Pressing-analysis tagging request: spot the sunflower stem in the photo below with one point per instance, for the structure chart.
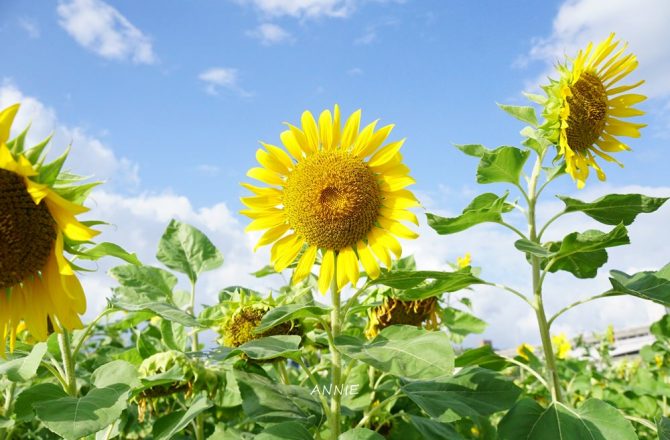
(68, 362)
(336, 358)
(199, 419)
(538, 304)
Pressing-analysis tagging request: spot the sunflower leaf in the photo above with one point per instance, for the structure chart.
(484, 208)
(504, 164)
(474, 150)
(281, 314)
(523, 113)
(613, 209)
(650, 285)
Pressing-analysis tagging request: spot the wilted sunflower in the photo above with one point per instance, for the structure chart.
(394, 311)
(38, 287)
(240, 327)
(584, 107)
(341, 192)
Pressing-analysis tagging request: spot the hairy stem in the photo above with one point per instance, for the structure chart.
(336, 396)
(68, 363)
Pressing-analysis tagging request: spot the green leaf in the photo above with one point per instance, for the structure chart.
(23, 408)
(129, 300)
(474, 150)
(462, 323)
(109, 250)
(403, 351)
(289, 312)
(17, 144)
(115, 372)
(594, 420)
(24, 368)
(484, 208)
(360, 434)
(613, 209)
(285, 431)
(521, 112)
(582, 254)
(483, 356)
(35, 152)
(539, 99)
(174, 335)
(450, 281)
(504, 164)
(167, 426)
(48, 173)
(151, 282)
(270, 347)
(73, 418)
(470, 393)
(532, 248)
(187, 250)
(650, 285)
(663, 427)
(267, 402)
(432, 429)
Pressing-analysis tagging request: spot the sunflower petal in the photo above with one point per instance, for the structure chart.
(368, 260)
(386, 153)
(327, 270)
(351, 130)
(304, 267)
(6, 119)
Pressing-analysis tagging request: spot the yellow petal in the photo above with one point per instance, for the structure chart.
(262, 191)
(368, 260)
(289, 255)
(280, 155)
(364, 138)
(622, 89)
(22, 167)
(6, 119)
(281, 246)
(375, 141)
(351, 130)
(265, 223)
(326, 129)
(327, 270)
(291, 143)
(392, 183)
(402, 199)
(624, 112)
(350, 264)
(341, 272)
(626, 100)
(256, 213)
(304, 267)
(311, 130)
(271, 235)
(623, 129)
(64, 267)
(261, 202)
(337, 129)
(271, 163)
(399, 214)
(265, 176)
(386, 240)
(385, 154)
(63, 212)
(37, 191)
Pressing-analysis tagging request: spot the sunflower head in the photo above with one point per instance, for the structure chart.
(39, 291)
(394, 311)
(239, 326)
(561, 345)
(585, 105)
(525, 350)
(335, 190)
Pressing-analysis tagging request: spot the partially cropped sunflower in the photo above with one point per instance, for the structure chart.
(338, 190)
(394, 311)
(585, 106)
(39, 290)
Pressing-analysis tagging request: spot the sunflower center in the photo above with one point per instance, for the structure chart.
(588, 111)
(27, 231)
(332, 199)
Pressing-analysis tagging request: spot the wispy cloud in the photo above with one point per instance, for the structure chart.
(217, 78)
(303, 8)
(30, 26)
(269, 34)
(371, 33)
(103, 30)
(355, 71)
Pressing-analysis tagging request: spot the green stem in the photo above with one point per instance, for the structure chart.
(513, 229)
(515, 292)
(68, 363)
(574, 304)
(550, 221)
(315, 382)
(642, 422)
(377, 408)
(199, 419)
(540, 315)
(336, 380)
(281, 367)
(88, 330)
(535, 374)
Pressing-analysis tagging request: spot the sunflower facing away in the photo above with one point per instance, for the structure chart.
(584, 107)
(339, 191)
(38, 287)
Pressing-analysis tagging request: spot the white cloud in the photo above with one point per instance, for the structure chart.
(642, 23)
(371, 33)
(102, 29)
(269, 34)
(30, 26)
(303, 8)
(216, 78)
(355, 71)
(86, 149)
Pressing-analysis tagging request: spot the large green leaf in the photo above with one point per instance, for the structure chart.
(432, 429)
(521, 112)
(281, 314)
(167, 426)
(403, 351)
(131, 301)
(594, 420)
(613, 209)
(471, 392)
(484, 208)
(268, 402)
(654, 286)
(449, 281)
(663, 427)
(285, 431)
(270, 347)
(187, 250)
(483, 356)
(583, 253)
(23, 408)
(475, 150)
(150, 282)
(360, 434)
(109, 250)
(504, 164)
(24, 368)
(462, 323)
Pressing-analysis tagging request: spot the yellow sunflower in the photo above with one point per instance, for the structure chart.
(584, 107)
(38, 287)
(334, 189)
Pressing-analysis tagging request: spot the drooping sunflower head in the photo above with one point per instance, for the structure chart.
(337, 190)
(39, 291)
(585, 106)
(394, 311)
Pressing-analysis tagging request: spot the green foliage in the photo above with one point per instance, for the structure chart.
(650, 285)
(523, 113)
(484, 208)
(614, 209)
(504, 164)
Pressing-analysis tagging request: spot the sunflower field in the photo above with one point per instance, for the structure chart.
(358, 343)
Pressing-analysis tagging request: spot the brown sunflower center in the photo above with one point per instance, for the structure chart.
(332, 199)
(588, 111)
(27, 231)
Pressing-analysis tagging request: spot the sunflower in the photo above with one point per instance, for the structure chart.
(584, 107)
(39, 290)
(394, 311)
(336, 190)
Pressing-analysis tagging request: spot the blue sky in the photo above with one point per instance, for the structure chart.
(167, 100)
